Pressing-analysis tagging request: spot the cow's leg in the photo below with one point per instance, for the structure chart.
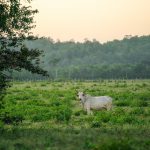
(89, 112)
(88, 109)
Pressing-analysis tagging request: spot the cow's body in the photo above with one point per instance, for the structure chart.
(95, 103)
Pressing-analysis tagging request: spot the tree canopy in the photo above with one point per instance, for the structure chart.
(118, 59)
(16, 22)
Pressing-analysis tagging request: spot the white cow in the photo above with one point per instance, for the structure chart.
(97, 103)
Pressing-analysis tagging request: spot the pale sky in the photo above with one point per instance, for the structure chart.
(103, 20)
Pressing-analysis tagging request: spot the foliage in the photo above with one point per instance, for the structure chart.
(9, 118)
(63, 114)
(112, 144)
(16, 21)
(118, 59)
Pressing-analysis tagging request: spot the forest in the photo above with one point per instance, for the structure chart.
(128, 58)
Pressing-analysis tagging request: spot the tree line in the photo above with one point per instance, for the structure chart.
(128, 58)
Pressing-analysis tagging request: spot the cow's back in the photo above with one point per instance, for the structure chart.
(99, 101)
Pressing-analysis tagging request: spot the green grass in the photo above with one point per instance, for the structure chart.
(47, 115)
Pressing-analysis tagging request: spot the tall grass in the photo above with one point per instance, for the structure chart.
(44, 108)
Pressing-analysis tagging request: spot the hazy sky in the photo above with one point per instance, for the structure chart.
(103, 20)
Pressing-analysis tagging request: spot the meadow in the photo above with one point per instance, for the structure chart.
(47, 115)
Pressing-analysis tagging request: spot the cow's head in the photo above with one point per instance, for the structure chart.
(80, 95)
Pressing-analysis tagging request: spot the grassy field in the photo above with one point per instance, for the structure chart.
(48, 116)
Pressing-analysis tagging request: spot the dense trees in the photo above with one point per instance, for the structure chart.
(127, 58)
(16, 21)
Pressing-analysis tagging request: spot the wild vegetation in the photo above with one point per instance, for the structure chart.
(128, 58)
(48, 115)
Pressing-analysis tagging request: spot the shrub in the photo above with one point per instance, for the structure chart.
(43, 84)
(118, 111)
(122, 103)
(144, 96)
(102, 117)
(27, 86)
(77, 113)
(42, 116)
(105, 117)
(63, 113)
(136, 111)
(126, 119)
(144, 85)
(8, 118)
(21, 146)
(115, 145)
(96, 124)
(117, 116)
(139, 103)
(147, 112)
(36, 103)
(89, 145)
(121, 116)
(22, 97)
(56, 103)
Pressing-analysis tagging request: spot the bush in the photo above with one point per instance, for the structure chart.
(22, 96)
(144, 96)
(77, 113)
(139, 103)
(55, 103)
(42, 114)
(122, 103)
(118, 116)
(28, 86)
(42, 117)
(115, 145)
(136, 111)
(63, 113)
(118, 111)
(96, 124)
(8, 118)
(43, 84)
(126, 119)
(121, 116)
(102, 117)
(105, 117)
